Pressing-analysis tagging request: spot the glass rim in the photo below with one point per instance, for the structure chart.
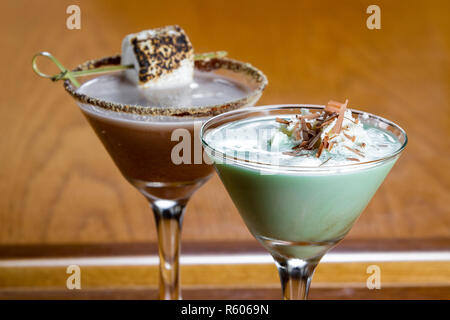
(297, 168)
(208, 64)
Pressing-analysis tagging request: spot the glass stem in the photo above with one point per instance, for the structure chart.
(295, 276)
(169, 218)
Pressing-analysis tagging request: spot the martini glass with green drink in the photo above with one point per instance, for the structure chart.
(300, 176)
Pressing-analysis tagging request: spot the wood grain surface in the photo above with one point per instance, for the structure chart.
(58, 186)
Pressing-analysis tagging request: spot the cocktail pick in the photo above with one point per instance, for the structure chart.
(66, 74)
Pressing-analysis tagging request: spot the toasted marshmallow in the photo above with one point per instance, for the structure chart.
(162, 57)
(168, 97)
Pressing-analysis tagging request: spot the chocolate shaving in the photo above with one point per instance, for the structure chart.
(351, 138)
(338, 126)
(350, 120)
(329, 109)
(283, 121)
(334, 104)
(327, 121)
(332, 137)
(308, 134)
(313, 141)
(304, 129)
(325, 141)
(304, 144)
(300, 146)
(356, 117)
(310, 116)
(297, 134)
(324, 144)
(331, 145)
(359, 153)
(333, 107)
(324, 162)
(319, 152)
(294, 153)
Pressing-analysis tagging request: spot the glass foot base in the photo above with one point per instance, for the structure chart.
(297, 250)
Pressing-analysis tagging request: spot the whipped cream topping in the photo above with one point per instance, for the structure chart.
(356, 142)
(273, 140)
(353, 136)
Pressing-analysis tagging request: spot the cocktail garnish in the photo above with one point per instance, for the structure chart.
(283, 121)
(313, 141)
(309, 116)
(333, 107)
(324, 130)
(333, 136)
(338, 126)
(331, 145)
(295, 154)
(327, 121)
(66, 74)
(325, 162)
(354, 121)
(297, 131)
(300, 146)
(304, 129)
(323, 144)
(162, 57)
(359, 153)
(352, 138)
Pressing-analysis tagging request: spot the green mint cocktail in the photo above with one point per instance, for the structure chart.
(300, 176)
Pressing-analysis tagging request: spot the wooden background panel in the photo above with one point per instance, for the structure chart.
(58, 185)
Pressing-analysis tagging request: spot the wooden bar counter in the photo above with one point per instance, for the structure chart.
(64, 202)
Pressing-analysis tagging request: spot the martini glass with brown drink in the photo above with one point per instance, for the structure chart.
(152, 131)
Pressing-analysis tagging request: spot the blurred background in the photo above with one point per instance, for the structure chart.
(62, 197)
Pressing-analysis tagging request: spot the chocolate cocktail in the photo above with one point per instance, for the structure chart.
(158, 149)
(148, 116)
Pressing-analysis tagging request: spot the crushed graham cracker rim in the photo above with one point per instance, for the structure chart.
(207, 65)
